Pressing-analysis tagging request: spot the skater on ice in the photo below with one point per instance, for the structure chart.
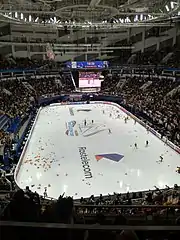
(178, 170)
(147, 128)
(109, 130)
(161, 158)
(135, 145)
(45, 192)
(147, 143)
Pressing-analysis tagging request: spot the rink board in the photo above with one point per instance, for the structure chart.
(64, 155)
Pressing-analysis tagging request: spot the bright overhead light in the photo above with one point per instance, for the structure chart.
(127, 20)
(121, 20)
(16, 14)
(150, 16)
(173, 4)
(30, 18)
(167, 8)
(22, 16)
(141, 17)
(136, 18)
(36, 19)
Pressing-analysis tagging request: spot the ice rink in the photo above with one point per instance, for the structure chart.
(86, 149)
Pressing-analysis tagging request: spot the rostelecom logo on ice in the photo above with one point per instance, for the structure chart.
(70, 129)
(115, 157)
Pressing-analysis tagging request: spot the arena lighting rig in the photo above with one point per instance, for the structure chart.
(89, 14)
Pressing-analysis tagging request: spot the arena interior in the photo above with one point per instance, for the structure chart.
(90, 119)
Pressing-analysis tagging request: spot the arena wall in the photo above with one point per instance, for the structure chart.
(25, 148)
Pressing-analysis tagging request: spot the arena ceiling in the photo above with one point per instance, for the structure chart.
(80, 29)
(89, 13)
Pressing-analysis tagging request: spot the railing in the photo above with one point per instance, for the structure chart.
(20, 73)
(89, 226)
(138, 210)
(125, 206)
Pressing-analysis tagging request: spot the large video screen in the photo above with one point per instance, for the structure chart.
(89, 79)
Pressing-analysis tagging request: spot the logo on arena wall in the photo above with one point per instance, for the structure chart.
(110, 156)
(70, 131)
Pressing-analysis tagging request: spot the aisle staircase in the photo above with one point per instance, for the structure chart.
(14, 126)
(8, 123)
(4, 122)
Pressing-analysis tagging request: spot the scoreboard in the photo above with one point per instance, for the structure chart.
(88, 65)
(87, 75)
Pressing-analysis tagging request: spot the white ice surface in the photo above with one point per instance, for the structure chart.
(62, 170)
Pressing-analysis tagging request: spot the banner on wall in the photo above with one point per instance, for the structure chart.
(49, 52)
